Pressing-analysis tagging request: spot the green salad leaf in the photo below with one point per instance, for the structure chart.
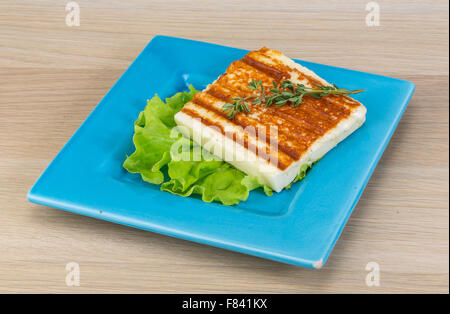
(206, 175)
(153, 136)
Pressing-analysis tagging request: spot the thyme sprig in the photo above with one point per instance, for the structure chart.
(281, 94)
(240, 103)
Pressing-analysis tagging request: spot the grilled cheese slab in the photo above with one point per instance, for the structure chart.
(273, 142)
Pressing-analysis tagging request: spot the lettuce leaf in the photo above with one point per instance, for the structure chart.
(252, 182)
(153, 136)
(302, 174)
(207, 176)
(214, 180)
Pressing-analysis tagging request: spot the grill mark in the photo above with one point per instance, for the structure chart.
(271, 71)
(324, 117)
(295, 120)
(289, 151)
(342, 111)
(239, 83)
(310, 119)
(244, 73)
(224, 85)
(202, 103)
(302, 76)
(194, 114)
(207, 106)
(213, 91)
(311, 128)
(337, 100)
(301, 141)
(262, 153)
(327, 120)
(245, 122)
(354, 102)
(311, 80)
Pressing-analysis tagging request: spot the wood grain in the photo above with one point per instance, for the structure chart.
(52, 76)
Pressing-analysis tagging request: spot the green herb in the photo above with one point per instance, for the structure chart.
(284, 93)
(240, 103)
(288, 92)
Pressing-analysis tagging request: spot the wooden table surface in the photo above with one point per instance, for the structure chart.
(53, 75)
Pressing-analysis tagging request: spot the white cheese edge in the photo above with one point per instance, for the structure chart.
(269, 174)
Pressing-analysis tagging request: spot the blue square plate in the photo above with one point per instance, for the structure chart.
(299, 226)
